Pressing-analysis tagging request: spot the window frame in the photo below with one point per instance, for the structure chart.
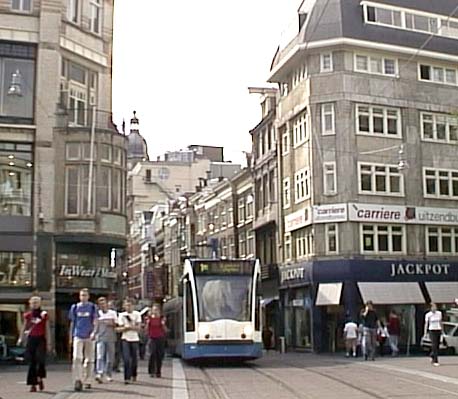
(95, 6)
(286, 182)
(434, 116)
(324, 113)
(300, 124)
(437, 180)
(322, 62)
(288, 249)
(327, 238)
(440, 234)
(386, 118)
(375, 229)
(326, 190)
(73, 12)
(369, 71)
(302, 176)
(285, 146)
(21, 7)
(432, 68)
(374, 173)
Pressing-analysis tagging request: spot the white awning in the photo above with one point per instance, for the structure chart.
(391, 293)
(442, 292)
(329, 294)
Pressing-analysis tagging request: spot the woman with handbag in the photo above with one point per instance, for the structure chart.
(156, 333)
(34, 336)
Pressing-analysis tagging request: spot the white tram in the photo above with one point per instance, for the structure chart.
(217, 314)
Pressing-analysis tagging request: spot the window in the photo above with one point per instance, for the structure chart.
(249, 206)
(326, 62)
(382, 238)
(375, 65)
(298, 76)
(72, 187)
(105, 153)
(286, 192)
(265, 190)
(329, 177)
(304, 242)
(242, 244)
(301, 185)
(439, 127)
(15, 270)
(250, 245)
(380, 179)
(73, 10)
(332, 246)
(287, 249)
(95, 15)
(327, 119)
(410, 20)
(272, 191)
(381, 121)
(73, 151)
(16, 171)
(17, 82)
(285, 143)
(300, 129)
(437, 74)
(440, 183)
(104, 188)
(241, 214)
(21, 5)
(230, 217)
(116, 190)
(441, 240)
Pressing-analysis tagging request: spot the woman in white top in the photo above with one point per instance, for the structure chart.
(433, 327)
(129, 325)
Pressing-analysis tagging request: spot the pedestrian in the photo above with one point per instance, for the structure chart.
(351, 336)
(156, 333)
(394, 331)
(35, 331)
(129, 323)
(370, 323)
(267, 337)
(83, 318)
(105, 340)
(382, 336)
(433, 327)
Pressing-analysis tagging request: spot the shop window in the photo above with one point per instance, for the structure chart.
(15, 269)
(16, 168)
(17, 83)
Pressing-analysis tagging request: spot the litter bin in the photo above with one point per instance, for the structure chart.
(282, 345)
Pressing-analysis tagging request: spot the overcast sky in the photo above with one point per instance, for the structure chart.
(185, 67)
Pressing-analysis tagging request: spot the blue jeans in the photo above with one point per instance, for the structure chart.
(105, 358)
(130, 359)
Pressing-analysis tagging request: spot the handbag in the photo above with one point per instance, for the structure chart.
(23, 339)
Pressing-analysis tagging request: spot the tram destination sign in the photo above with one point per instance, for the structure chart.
(223, 267)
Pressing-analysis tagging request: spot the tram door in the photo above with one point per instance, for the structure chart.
(189, 314)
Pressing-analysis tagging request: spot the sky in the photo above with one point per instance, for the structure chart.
(185, 67)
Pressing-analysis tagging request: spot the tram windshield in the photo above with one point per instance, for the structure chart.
(224, 297)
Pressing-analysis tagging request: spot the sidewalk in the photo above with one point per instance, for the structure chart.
(58, 385)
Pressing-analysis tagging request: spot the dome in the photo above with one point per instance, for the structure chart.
(137, 148)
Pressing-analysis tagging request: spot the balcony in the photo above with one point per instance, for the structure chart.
(81, 119)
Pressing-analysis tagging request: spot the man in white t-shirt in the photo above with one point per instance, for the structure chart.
(351, 335)
(433, 327)
(129, 323)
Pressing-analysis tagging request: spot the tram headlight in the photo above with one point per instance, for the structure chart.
(248, 330)
(203, 330)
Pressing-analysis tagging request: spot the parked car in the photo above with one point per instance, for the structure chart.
(449, 339)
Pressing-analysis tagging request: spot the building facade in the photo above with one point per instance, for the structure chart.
(58, 231)
(366, 126)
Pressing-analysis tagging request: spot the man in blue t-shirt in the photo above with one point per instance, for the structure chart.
(83, 318)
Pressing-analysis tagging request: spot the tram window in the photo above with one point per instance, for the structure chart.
(257, 313)
(190, 325)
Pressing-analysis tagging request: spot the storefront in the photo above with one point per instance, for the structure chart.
(80, 266)
(323, 294)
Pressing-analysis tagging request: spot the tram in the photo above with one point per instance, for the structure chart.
(217, 313)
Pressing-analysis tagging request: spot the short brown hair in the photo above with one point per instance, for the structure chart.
(101, 299)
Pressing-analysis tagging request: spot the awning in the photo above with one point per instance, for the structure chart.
(266, 301)
(329, 294)
(391, 293)
(442, 292)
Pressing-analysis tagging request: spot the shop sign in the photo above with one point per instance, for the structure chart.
(330, 213)
(293, 273)
(298, 219)
(297, 302)
(418, 269)
(83, 271)
(402, 214)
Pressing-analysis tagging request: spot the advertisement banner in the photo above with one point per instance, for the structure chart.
(330, 213)
(299, 219)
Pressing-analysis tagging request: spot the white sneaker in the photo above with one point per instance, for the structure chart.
(437, 364)
(109, 379)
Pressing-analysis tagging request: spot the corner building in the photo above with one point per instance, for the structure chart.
(367, 139)
(62, 161)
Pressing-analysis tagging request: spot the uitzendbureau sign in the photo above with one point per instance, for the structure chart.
(83, 271)
(402, 214)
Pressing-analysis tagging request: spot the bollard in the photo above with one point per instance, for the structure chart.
(282, 345)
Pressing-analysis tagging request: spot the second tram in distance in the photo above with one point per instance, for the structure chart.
(217, 314)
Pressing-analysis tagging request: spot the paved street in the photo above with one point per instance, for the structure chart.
(276, 376)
